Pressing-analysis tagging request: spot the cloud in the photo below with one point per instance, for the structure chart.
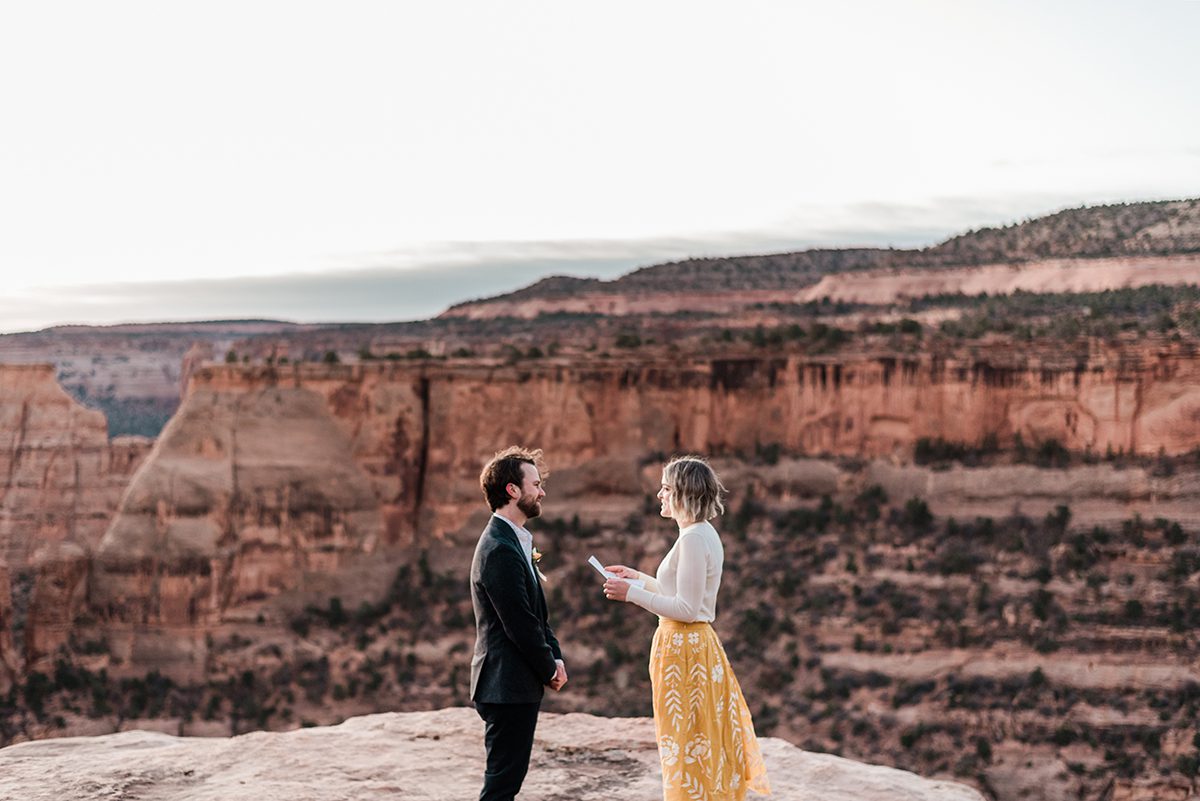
(377, 294)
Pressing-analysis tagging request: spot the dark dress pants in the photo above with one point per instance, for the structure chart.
(508, 737)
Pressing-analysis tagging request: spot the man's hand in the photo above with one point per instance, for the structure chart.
(616, 589)
(622, 571)
(560, 676)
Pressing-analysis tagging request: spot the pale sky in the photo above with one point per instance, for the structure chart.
(380, 161)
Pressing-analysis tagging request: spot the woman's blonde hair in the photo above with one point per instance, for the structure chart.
(695, 489)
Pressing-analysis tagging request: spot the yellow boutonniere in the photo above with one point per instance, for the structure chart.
(537, 557)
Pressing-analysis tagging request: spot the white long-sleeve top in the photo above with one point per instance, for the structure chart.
(685, 587)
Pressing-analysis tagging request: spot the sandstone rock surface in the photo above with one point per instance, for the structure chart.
(243, 494)
(60, 477)
(61, 480)
(423, 756)
(8, 655)
(1048, 275)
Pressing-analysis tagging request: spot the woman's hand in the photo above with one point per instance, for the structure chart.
(622, 571)
(616, 589)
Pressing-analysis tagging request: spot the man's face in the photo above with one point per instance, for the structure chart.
(530, 500)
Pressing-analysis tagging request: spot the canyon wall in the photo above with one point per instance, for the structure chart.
(266, 473)
(410, 438)
(273, 482)
(62, 480)
(61, 476)
(270, 478)
(9, 662)
(131, 372)
(242, 494)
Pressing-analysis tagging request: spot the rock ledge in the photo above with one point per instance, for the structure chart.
(417, 756)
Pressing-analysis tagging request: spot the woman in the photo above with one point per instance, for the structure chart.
(705, 735)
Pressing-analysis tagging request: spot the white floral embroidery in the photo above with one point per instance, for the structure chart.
(677, 639)
(736, 780)
(668, 750)
(696, 750)
(693, 638)
(718, 672)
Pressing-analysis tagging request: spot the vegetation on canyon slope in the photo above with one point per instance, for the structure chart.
(813, 328)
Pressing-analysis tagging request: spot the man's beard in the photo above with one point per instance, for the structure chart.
(530, 506)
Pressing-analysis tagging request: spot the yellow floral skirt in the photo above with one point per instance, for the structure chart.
(705, 735)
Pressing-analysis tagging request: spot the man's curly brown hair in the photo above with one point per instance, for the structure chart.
(505, 468)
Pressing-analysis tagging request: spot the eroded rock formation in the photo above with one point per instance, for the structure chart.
(392, 452)
(9, 662)
(60, 477)
(61, 480)
(268, 475)
(59, 595)
(244, 494)
(405, 423)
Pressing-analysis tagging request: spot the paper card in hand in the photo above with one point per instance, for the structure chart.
(594, 562)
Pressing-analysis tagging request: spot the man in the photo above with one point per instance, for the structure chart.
(516, 653)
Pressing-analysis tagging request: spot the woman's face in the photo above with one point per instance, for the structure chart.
(664, 497)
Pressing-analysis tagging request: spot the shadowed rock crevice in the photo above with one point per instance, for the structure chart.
(422, 464)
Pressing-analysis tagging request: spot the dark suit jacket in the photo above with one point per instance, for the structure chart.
(515, 648)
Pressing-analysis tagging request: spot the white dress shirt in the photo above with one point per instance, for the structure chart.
(524, 537)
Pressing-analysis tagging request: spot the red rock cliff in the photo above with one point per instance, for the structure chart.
(60, 477)
(269, 477)
(8, 655)
(400, 445)
(61, 481)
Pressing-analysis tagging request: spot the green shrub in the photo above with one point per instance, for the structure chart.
(1052, 453)
(1133, 610)
(628, 339)
(916, 515)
